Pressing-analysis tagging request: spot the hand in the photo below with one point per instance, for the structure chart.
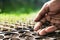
(42, 17)
(46, 30)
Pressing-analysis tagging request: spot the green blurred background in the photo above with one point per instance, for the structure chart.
(14, 10)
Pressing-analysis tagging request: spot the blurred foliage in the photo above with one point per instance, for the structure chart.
(23, 6)
(17, 10)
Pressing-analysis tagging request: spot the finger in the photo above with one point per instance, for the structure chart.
(50, 29)
(47, 30)
(39, 24)
(41, 32)
(41, 13)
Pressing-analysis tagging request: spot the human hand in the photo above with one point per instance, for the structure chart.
(53, 27)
